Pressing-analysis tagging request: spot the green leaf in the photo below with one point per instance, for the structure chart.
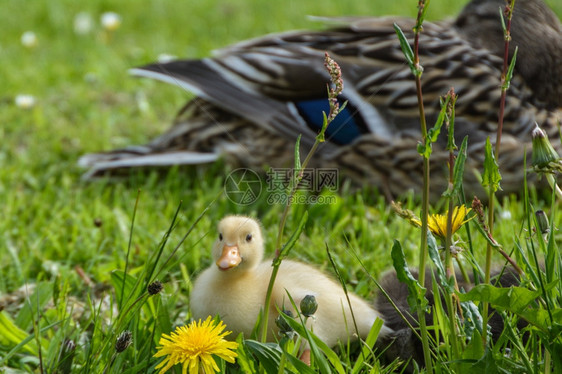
(245, 359)
(513, 299)
(458, 170)
(473, 352)
(36, 302)
(509, 74)
(298, 155)
(472, 322)
(299, 365)
(416, 295)
(11, 335)
(316, 346)
(451, 146)
(268, 354)
(407, 50)
(321, 135)
(367, 346)
(491, 176)
(433, 133)
(436, 259)
(504, 28)
(486, 364)
(541, 319)
(117, 278)
(293, 239)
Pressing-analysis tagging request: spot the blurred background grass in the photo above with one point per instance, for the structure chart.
(85, 102)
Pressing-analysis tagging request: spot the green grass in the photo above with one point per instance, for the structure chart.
(86, 102)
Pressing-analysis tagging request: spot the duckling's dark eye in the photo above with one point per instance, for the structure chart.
(249, 237)
(220, 236)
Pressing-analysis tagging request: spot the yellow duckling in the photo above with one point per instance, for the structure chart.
(236, 285)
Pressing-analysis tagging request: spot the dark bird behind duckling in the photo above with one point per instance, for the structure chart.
(403, 343)
(256, 97)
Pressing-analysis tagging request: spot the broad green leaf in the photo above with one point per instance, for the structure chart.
(475, 349)
(268, 354)
(513, 299)
(416, 294)
(11, 335)
(406, 49)
(541, 319)
(491, 176)
(486, 364)
(472, 321)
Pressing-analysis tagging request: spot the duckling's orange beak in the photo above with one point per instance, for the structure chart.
(230, 257)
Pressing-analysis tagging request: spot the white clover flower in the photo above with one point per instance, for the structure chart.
(110, 21)
(164, 57)
(83, 23)
(29, 39)
(25, 101)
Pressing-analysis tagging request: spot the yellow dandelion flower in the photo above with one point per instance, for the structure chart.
(438, 222)
(195, 345)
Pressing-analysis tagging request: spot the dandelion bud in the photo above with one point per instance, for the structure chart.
(123, 341)
(543, 153)
(155, 287)
(284, 327)
(308, 305)
(542, 222)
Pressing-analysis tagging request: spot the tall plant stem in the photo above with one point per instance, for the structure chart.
(276, 262)
(425, 194)
(450, 272)
(333, 92)
(491, 192)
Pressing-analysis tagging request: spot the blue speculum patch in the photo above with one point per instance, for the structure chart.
(344, 129)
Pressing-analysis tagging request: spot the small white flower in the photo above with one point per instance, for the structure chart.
(83, 23)
(29, 39)
(25, 101)
(164, 57)
(110, 21)
(506, 214)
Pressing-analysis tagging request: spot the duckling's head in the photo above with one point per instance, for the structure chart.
(239, 243)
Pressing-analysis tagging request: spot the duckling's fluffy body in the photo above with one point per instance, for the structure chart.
(237, 292)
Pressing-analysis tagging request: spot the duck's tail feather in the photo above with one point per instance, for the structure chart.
(100, 164)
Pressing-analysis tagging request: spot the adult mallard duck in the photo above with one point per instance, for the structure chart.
(254, 98)
(235, 285)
